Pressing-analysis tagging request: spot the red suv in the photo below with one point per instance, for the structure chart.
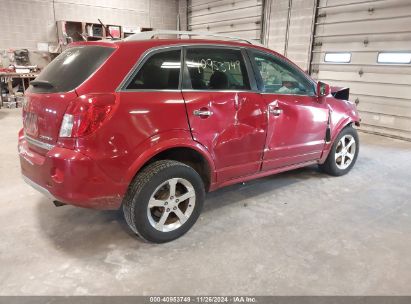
(152, 125)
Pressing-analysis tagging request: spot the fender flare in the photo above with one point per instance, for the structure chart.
(340, 126)
(163, 141)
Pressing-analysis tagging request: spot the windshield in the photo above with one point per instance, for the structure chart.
(70, 69)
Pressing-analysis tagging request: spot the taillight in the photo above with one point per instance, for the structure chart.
(86, 114)
(25, 107)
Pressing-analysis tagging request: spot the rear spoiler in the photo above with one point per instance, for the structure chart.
(340, 92)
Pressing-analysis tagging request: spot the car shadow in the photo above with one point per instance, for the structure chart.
(258, 187)
(82, 232)
(85, 232)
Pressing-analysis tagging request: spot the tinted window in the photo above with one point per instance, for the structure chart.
(161, 71)
(280, 78)
(216, 69)
(69, 69)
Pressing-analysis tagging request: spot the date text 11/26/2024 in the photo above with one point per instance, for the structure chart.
(204, 299)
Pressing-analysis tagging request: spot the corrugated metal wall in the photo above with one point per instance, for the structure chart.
(241, 18)
(365, 28)
(288, 24)
(288, 28)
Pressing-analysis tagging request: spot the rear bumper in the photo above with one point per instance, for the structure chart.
(70, 177)
(39, 188)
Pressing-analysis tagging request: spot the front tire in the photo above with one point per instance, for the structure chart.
(343, 153)
(164, 201)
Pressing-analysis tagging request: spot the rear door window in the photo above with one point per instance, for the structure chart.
(71, 68)
(161, 71)
(216, 69)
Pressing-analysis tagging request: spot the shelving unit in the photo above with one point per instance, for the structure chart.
(12, 97)
(71, 31)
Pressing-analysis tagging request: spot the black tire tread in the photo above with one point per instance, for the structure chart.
(138, 184)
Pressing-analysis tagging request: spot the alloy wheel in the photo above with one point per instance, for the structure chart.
(171, 204)
(345, 151)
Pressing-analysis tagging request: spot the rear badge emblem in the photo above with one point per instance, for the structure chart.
(46, 137)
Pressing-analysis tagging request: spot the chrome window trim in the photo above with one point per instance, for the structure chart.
(192, 90)
(151, 90)
(140, 61)
(38, 143)
(220, 91)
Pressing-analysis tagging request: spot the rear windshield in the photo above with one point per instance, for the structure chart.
(69, 69)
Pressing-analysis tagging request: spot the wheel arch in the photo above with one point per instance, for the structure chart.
(347, 122)
(185, 150)
(188, 156)
(335, 131)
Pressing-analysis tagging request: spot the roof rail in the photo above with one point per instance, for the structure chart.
(151, 34)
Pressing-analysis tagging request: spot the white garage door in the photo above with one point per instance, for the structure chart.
(240, 18)
(366, 46)
(289, 24)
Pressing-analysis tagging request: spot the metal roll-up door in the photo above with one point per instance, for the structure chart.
(289, 26)
(366, 29)
(300, 32)
(240, 18)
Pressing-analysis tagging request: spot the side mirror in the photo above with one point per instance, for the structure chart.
(323, 89)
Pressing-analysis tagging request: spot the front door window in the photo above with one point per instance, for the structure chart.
(277, 77)
(225, 115)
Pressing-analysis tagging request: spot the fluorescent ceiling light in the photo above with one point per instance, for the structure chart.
(192, 64)
(337, 57)
(394, 57)
(170, 65)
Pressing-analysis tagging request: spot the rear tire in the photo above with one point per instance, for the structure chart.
(164, 201)
(343, 153)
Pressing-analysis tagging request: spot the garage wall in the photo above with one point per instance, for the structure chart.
(23, 23)
(182, 14)
(233, 17)
(365, 28)
(288, 28)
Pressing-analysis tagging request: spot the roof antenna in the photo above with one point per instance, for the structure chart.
(105, 27)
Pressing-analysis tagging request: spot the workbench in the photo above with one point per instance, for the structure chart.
(9, 76)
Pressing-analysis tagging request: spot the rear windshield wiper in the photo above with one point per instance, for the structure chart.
(42, 83)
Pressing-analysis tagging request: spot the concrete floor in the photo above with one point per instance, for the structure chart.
(297, 233)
